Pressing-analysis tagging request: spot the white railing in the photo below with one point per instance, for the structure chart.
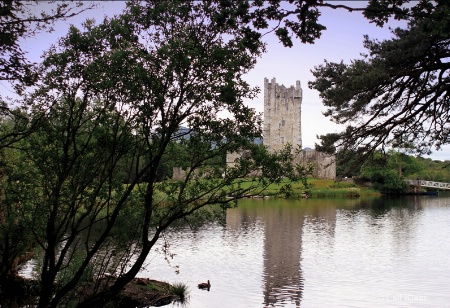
(438, 185)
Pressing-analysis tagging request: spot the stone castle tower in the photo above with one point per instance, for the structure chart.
(283, 124)
(282, 115)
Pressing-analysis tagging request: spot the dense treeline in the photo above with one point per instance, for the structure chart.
(387, 171)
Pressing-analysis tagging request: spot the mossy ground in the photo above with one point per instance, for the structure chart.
(140, 292)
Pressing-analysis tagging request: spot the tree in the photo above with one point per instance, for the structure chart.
(114, 97)
(348, 163)
(383, 176)
(433, 170)
(388, 171)
(405, 165)
(19, 20)
(396, 96)
(15, 236)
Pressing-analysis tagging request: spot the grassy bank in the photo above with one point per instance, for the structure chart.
(321, 188)
(317, 188)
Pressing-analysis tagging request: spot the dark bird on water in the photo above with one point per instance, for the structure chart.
(204, 285)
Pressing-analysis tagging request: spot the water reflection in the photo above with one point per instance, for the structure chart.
(283, 222)
(282, 276)
(334, 252)
(381, 252)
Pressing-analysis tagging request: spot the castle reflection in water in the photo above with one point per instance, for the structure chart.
(282, 272)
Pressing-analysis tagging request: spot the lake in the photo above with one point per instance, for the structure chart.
(315, 253)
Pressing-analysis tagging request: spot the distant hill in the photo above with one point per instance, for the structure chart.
(183, 133)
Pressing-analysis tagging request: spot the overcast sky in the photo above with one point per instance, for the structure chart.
(341, 41)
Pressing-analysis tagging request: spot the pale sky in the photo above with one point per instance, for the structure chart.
(341, 41)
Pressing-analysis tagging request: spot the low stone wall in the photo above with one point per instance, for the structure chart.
(178, 174)
(324, 164)
(231, 162)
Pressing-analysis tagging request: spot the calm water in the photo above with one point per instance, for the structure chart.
(316, 253)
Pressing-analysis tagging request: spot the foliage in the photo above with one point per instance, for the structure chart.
(388, 170)
(432, 170)
(396, 96)
(100, 130)
(181, 290)
(348, 163)
(109, 106)
(387, 173)
(301, 18)
(374, 170)
(19, 20)
(16, 244)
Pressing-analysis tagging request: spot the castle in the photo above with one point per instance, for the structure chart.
(282, 125)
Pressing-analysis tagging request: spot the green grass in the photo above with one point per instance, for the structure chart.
(317, 188)
(335, 193)
(323, 188)
(181, 290)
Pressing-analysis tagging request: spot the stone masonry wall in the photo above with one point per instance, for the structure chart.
(324, 165)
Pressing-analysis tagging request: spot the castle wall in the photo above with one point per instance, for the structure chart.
(324, 164)
(232, 158)
(179, 174)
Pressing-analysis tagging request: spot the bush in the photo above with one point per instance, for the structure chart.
(181, 290)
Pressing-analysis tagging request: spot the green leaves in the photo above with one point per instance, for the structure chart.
(388, 172)
(110, 109)
(398, 93)
(161, 86)
(19, 20)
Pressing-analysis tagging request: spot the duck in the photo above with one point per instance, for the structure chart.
(204, 285)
